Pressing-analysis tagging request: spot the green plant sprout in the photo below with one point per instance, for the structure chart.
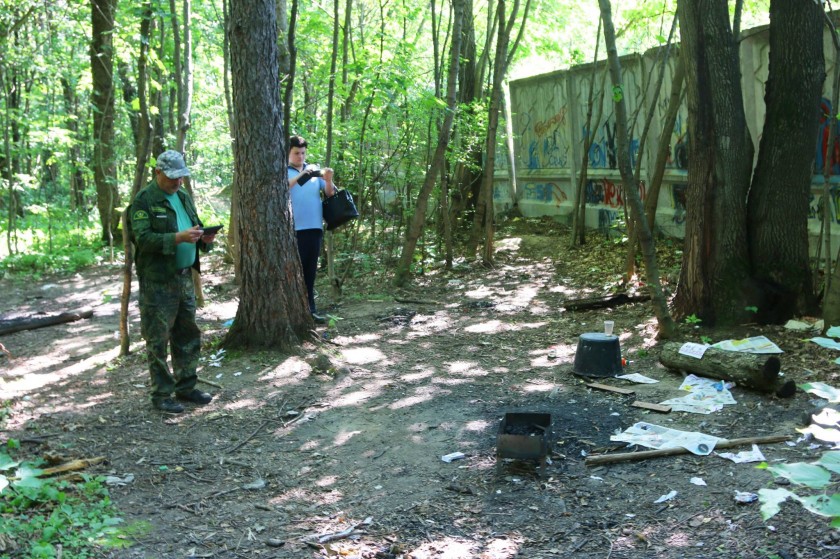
(693, 319)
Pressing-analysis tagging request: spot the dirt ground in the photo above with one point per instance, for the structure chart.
(342, 443)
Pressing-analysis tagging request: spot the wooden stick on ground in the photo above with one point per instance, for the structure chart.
(645, 454)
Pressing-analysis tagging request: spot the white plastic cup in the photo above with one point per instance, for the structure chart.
(608, 327)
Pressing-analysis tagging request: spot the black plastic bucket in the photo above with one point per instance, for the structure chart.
(598, 355)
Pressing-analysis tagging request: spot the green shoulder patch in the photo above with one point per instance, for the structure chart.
(140, 214)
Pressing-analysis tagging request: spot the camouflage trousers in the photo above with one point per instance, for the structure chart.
(167, 318)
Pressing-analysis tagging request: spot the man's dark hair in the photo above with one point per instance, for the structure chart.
(297, 142)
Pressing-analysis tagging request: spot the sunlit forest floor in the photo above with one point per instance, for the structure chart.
(336, 451)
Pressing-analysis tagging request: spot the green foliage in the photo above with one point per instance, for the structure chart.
(706, 340)
(814, 475)
(751, 309)
(41, 514)
(693, 319)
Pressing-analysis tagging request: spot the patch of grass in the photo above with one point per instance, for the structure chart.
(39, 515)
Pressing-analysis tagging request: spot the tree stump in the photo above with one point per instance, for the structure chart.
(752, 370)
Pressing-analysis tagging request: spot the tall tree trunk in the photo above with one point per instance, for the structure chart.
(483, 219)
(142, 152)
(184, 79)
(578, 235)
(630, 266)
(466, 179)
(335, 287)
(631, 186)
(267, 316)
(418, 219)
(288, 92)
(102, 98)
(779, 197)
(715, 259)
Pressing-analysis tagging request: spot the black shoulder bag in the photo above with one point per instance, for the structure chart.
(339, 209)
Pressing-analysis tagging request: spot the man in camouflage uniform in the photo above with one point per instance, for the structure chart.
(168, 235)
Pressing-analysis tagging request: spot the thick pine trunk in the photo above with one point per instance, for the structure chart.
(779, 197)
(273, 311)
(715, 262)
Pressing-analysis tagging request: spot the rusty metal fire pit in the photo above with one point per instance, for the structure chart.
(524, 436)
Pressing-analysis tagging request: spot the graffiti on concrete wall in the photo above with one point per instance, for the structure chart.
(602, 151)
(606, 218)
(678, 192)
(607, 193)
(546, 192)
(827, 124)
(548, 147)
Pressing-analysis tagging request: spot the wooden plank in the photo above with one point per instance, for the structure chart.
(608, 388)
(651, 406)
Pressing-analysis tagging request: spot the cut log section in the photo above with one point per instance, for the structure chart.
(33, 322)
(751, 370)
(604, 302)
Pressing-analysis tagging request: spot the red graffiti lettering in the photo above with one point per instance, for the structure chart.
(542, 127)
(612, 194)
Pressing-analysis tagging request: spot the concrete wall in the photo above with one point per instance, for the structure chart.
(548, 117)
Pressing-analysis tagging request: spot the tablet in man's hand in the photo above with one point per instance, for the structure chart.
(212, 230)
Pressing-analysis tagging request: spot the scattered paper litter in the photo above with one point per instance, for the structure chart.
(745, 497)
(705, 396)
(636, 377)
(798, 326)
(825, 434)
(119, 481)
(656, 436)
(453, 456)
(667, 497)
(693, 349)
(822, 390)
(744, 456)
(756, 344)
(828, 417)
(697, 481)
(827, 343)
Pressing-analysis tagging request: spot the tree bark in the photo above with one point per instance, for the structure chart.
(752, 370)
(781, 187)
(715, 258)
(102, 99)
(631, 187)
(273, 311)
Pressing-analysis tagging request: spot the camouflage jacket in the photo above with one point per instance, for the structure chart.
(153, 227)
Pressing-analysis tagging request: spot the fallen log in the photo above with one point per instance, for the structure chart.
(31, 323)
(645, 454)
(604, 302)
(758, 371)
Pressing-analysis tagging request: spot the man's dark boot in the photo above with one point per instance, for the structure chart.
(168, 405)
(195, 396)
